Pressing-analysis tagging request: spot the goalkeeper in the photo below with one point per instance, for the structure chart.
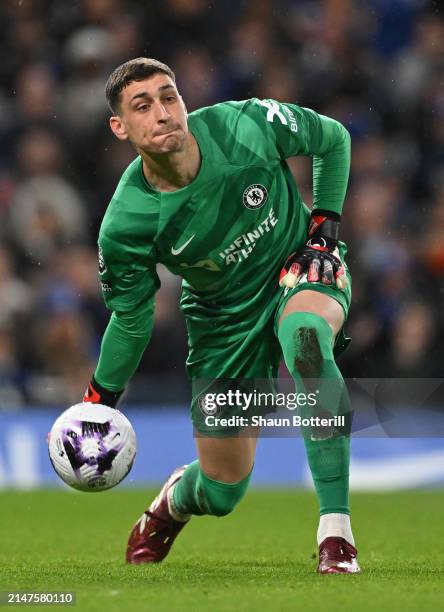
(211, 197)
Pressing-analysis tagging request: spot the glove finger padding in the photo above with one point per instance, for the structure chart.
(291, 276)
(339, 272)
(327, 272)
(320, 266)
(314, 267)
(341, 278)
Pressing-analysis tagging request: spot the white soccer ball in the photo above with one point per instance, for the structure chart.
(92, 447)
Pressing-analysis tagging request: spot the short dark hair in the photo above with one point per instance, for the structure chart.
(136, 69)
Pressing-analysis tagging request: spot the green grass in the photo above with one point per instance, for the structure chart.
(262, 557)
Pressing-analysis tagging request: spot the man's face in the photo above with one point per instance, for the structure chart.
(152, 116)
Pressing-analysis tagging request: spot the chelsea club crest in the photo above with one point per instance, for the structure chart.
(255, 196)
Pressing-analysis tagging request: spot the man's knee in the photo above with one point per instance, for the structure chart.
(306, 340)
(307, 352)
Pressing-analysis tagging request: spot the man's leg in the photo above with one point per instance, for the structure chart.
(212, 485)
(307, 329)
(216, 482)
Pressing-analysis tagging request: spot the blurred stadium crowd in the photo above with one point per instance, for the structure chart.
(375, 65)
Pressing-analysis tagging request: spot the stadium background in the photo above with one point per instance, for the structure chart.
(375, 65)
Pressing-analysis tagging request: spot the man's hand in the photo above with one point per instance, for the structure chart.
(319, 258)
(97, 394)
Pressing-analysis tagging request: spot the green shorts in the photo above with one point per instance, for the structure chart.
(244, 346)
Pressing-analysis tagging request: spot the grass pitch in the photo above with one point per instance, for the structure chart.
(261, 557)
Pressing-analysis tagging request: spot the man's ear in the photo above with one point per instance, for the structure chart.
(117, 127)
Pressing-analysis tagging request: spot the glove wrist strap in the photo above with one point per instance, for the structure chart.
(97, 394)
(324, 224)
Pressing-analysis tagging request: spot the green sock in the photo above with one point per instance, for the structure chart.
(306, 341)
(329, 465)
(196, 493)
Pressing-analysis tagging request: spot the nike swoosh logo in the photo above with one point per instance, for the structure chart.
(179, 250)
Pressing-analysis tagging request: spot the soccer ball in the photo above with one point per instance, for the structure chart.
(92, 447)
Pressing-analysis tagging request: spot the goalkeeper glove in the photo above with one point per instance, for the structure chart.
(97, 394)
(319, 258)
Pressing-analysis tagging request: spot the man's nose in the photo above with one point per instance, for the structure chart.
(162, 113)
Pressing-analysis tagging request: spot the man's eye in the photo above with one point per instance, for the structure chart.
(171, 98)
(142, 107)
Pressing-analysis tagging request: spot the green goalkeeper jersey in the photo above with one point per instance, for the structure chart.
(226, 234)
